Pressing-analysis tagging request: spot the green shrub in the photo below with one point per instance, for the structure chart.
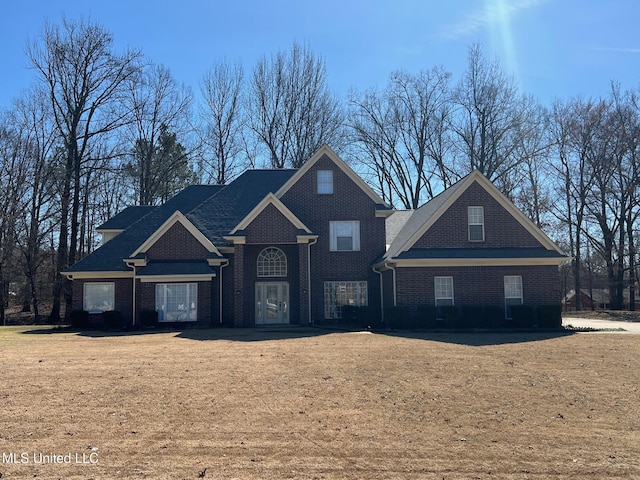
(448, 316)
(549, 316)
(427, 316)
(149, 318)
(493, 316)
(397, 317)
(522, 315)
(112, 319)
(472, 316)
(79, 319)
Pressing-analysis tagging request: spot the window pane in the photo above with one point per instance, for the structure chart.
(443, 287)
(272, 262)
(344, 243)
(325, 181)
(513, 286)
(338, 294)
(476, 224)
(345, 236)
(177, 302)
(98, 297)
(476, 233)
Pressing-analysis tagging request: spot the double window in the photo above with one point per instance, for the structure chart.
(98, 297)
(177, 302)
(475, 217)
(339, 294)
(345, 236)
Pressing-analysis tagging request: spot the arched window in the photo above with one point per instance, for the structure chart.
(272, 262)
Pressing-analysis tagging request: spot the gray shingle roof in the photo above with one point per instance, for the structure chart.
(218, 215)
(109, 257)
(214, 209)
(126, 217)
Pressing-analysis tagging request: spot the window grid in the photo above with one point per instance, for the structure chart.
(325, 182)
(339, 294)
(512, 293)
(476, 224)
(272, 262)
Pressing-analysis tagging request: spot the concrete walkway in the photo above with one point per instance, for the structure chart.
(629, 327)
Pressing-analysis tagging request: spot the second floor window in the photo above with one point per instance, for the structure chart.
(476, 224)
(325, 182)
(345, 236)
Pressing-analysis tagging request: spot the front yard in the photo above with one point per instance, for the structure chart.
(311, 404)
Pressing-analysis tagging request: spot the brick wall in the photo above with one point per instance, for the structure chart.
(500, 228)
(177, 244)
(348, 202)
(478, 285)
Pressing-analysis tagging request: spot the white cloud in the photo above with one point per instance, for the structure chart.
(494, 11)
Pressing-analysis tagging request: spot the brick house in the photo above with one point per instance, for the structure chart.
(469, 247)
(297, 246)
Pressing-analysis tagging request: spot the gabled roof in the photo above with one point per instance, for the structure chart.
(325, 150)
(177, 217)
(221, 213)
(425, 216)
(110, 256)
(270, 199)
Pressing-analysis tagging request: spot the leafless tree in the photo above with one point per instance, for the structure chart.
(290, 109)
(223, 121)
(491, 117)
(156, 101)
(85, 80)
(404, 135)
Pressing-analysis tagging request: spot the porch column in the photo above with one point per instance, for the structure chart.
(238, 285)
(303, 282)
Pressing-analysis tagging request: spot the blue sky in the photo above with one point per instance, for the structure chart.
(554, 48)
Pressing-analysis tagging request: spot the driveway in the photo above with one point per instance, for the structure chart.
(629, 327)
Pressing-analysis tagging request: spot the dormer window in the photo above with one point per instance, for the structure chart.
(476, 224)
(325, 182)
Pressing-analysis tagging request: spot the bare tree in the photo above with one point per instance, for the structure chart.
(404, 134)
(156, 102)
(33, 117)
(291, 111)
(85, 80)
(490, 119)
(222, 121)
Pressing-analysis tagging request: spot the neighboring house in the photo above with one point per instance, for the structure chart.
(599, 299)
(297, 246)
(470, 247)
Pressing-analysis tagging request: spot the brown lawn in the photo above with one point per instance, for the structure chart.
(249, 404)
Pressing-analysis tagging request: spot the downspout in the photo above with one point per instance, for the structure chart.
(381, 295)
(133, 293)
(311, 242)
(222, 265)
(393, 269)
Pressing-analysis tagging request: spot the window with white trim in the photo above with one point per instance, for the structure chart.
(325, 182)
(177, 302)
(476, 224)
(272, 262)
(339, 294)
(98, 297)
(443, 287)
(345, 236)
(512, 293)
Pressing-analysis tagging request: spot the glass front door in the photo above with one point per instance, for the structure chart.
(272, 303)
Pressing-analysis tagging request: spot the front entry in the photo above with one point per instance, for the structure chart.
(272, 303)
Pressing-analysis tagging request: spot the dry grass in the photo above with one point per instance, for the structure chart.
(248, 404)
